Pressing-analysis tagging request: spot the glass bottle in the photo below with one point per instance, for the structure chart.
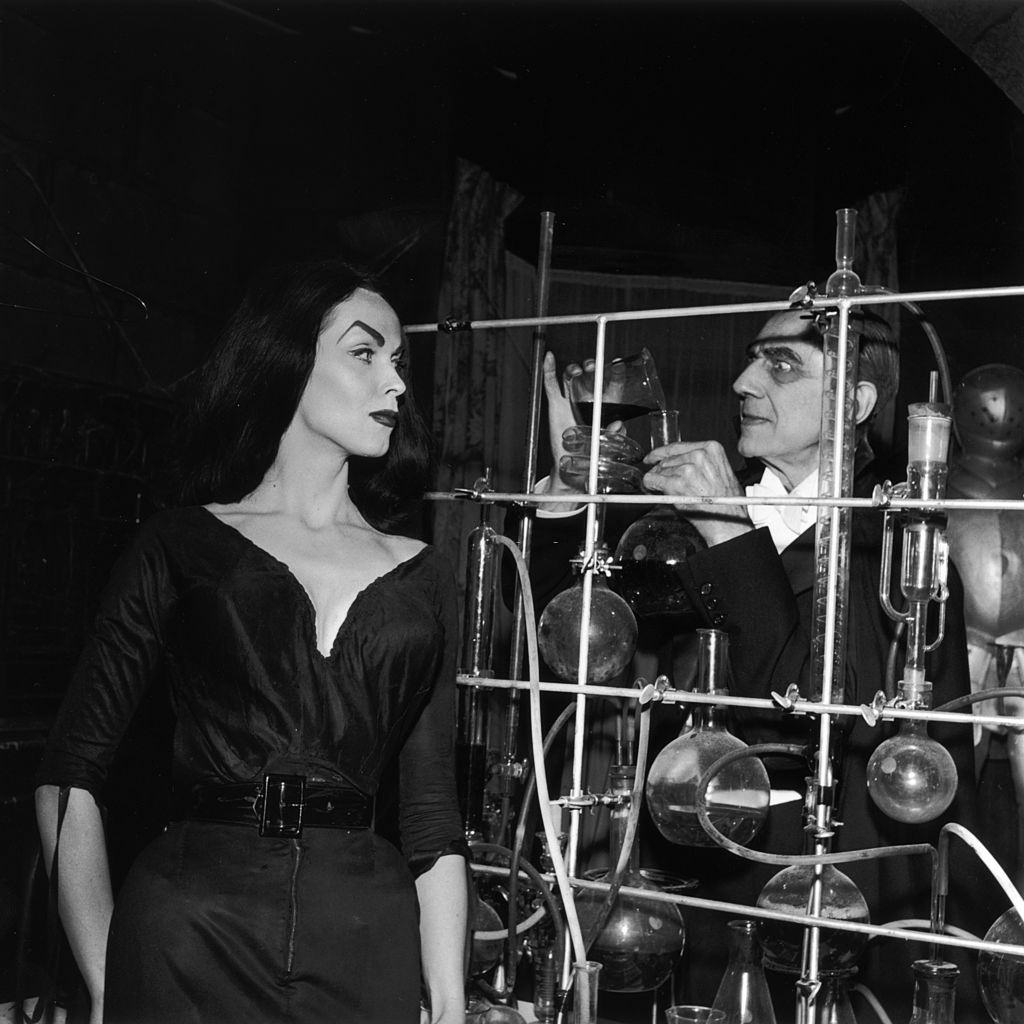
(910, 776)
(833, 1003)
(737, 798)
(934, 992)
(1001, 978)
(743, 993)
(789, 891)
(641, 941)
(611, 636)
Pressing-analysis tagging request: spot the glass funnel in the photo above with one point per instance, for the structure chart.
(611, 635)
(641, 940)
(1001, 978)
(789, 891)
(910, 776)
(743, 992)
(737, 798)
(631, 388)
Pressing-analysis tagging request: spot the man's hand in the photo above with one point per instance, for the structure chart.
(699, 468)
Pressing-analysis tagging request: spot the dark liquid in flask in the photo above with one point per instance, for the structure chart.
(610, 411)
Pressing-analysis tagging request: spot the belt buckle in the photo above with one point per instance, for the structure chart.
(280, 806)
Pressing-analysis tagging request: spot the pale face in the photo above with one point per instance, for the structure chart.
(780, 399)
(351, 398)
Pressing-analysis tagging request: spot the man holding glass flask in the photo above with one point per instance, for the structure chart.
(755, 581)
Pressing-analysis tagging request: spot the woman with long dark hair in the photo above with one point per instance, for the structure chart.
(309, 650)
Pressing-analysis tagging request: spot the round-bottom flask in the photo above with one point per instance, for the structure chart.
(911, 777)
(648, 554)
(1001, 978)
(789, 892)
(737, 798)
(641, 941)
(611, 636)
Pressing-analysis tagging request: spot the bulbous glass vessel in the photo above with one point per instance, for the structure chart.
(641, 941)
(611, 637)
(647, 554)
(737, 798)
(1001, 978)
(841, 900)
(910, 776)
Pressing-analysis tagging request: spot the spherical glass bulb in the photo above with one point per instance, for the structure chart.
(788, 892)
(1001, 978)
(648, 554)
(485, 954)
(737, 798)
(910, 776)
(611, 636)
(642, 940)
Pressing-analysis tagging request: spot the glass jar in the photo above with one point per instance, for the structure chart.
(934, 992)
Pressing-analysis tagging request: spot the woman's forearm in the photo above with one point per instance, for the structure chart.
(442, 893)
(84, 900)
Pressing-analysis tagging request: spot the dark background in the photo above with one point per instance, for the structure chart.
(169, 148)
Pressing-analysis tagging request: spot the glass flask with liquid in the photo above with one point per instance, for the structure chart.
(641, 940)
(611, 637)
(934, 992)
(743, 992)
(833, 1003)
(737, 798)
(789, 892)
(910, 776)
(1001, 978)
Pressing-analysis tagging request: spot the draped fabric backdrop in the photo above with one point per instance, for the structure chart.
(474, 372)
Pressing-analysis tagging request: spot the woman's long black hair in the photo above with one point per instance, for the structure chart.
(246, 394)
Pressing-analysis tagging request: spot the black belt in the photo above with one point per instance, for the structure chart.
(281, 805)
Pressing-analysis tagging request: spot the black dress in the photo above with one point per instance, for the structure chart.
(213, 922)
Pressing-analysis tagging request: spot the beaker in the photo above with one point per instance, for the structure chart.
(631, 388)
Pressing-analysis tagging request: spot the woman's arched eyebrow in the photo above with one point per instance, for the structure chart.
(376, 335)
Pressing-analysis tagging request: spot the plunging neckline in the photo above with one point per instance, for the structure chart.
(311, 613)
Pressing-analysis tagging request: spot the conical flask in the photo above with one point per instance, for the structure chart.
(743, 993)
(641, 940)
(1001, 978)
(911, 777)
(737, 798)
(789, 891)
(934, 992)
(833, 1003)
(611, 632)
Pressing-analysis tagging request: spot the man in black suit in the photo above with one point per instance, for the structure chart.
(755, 581)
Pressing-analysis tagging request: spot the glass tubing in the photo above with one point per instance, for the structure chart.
(879, 500)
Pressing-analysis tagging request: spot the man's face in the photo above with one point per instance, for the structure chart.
(780, 398)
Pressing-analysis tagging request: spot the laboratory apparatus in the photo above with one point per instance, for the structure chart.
(641, 940)
(737, 799)
(934, 992)
(1001, 978)
(743, 994)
